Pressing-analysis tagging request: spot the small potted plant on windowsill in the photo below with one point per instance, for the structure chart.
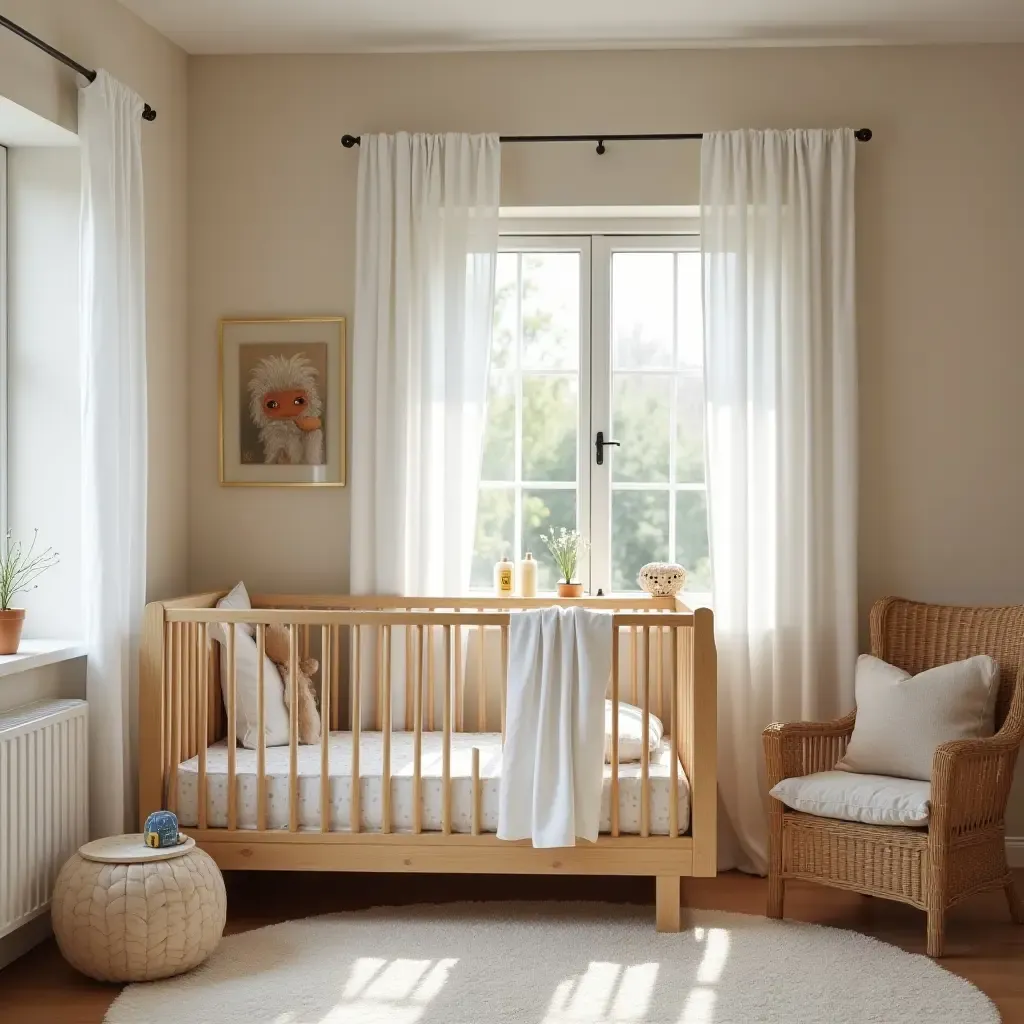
(566, 546)
(19, 570)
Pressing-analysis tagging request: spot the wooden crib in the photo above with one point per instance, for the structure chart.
(446, 661)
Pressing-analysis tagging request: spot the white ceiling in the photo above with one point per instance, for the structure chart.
(342, 26)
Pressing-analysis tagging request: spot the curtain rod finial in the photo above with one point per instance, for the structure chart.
(148, 113)
(348, 141)
(862, 134)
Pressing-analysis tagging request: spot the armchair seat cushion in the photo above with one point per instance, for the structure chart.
(871, 799)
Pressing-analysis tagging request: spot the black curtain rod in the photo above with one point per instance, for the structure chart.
(148, 113)
(348, 141)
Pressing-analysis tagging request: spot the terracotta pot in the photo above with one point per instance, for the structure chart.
(11, 622)
(570, 589)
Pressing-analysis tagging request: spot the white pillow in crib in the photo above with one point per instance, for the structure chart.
(631, 730)
(275, 714)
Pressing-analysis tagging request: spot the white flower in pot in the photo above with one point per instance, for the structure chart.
(19, 570)
(566, 546)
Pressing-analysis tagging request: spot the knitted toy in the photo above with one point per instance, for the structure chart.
(309, 715)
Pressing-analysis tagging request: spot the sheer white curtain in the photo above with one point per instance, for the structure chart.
(113, 340)
(427, 241)
(777, 233)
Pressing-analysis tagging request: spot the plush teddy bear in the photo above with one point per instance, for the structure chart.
(277, 644)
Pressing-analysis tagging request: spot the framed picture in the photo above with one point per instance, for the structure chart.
(283, 402)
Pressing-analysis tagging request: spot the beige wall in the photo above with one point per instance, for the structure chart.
(102, 33)
(940, 260)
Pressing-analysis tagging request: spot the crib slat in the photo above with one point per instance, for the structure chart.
(446, 750)
(174, 714)
(673, 805)
(476, 791)
(202, 702)
(408, 678)
(431, 696)
(215, 708)
(293, 729)
(232, 736)
(355, 637)
(481, 684)
(633, 656)
(504, 677)
(659, 636)
(261, 730)
(182, 674)
(325, 733)
(166, 717)
(460, 691)
(615, 732)
(379, 674)
(189, 722)
(385, 779)
(417, 756)
(645, 731)
(336, 706)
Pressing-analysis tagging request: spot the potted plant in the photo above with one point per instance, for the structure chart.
(566, 546)
(19, 570)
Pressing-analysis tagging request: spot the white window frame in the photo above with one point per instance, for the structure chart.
(596, 238)
(556, 243)
(600, 525)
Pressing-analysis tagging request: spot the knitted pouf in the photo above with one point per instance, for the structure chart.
(123, 911)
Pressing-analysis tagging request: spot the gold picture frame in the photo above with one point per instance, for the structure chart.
(301, 362)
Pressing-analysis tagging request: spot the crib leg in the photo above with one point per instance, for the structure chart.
(667, 903)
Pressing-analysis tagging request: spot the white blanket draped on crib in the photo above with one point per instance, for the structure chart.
(560, 660)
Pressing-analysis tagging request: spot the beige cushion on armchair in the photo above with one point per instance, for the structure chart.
(872, 799)
(902, 719)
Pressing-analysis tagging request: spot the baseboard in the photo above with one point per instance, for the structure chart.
(1015, 851)
(19, 942)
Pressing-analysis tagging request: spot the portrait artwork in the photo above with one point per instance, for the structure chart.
(282, 402)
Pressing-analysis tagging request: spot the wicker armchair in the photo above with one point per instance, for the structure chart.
(962, 851)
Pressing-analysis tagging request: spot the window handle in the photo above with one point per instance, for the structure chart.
(600, 444)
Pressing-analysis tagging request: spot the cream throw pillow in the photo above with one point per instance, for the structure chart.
(631, 731)
(901, 718)
(275, 714)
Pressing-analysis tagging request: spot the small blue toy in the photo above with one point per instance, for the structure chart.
(161, 829)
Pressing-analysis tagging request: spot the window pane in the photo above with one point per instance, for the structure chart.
(689, 430)
(692, 538)
(544, 511)
(639, 534)
(506, 310)
(550, 417)
(690, 312)
(640, 423)
(495, 533)
(499, 456)
(643, 286)
(551, 310)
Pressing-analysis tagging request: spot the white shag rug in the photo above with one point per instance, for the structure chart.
(553, 964)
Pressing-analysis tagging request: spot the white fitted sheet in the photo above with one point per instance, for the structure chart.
(370, 771)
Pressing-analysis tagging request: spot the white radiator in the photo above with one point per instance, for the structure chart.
(44, 804)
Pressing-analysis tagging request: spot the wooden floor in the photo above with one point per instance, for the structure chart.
(983, 946)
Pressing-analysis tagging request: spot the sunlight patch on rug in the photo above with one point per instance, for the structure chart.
(554, 964)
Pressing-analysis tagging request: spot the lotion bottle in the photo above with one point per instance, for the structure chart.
(528, 576)
(504, 577)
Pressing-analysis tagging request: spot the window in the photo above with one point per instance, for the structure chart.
(596, 333)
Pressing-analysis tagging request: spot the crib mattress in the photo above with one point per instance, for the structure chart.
(370, 788)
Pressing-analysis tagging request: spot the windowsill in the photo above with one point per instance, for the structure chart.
(39, 653)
